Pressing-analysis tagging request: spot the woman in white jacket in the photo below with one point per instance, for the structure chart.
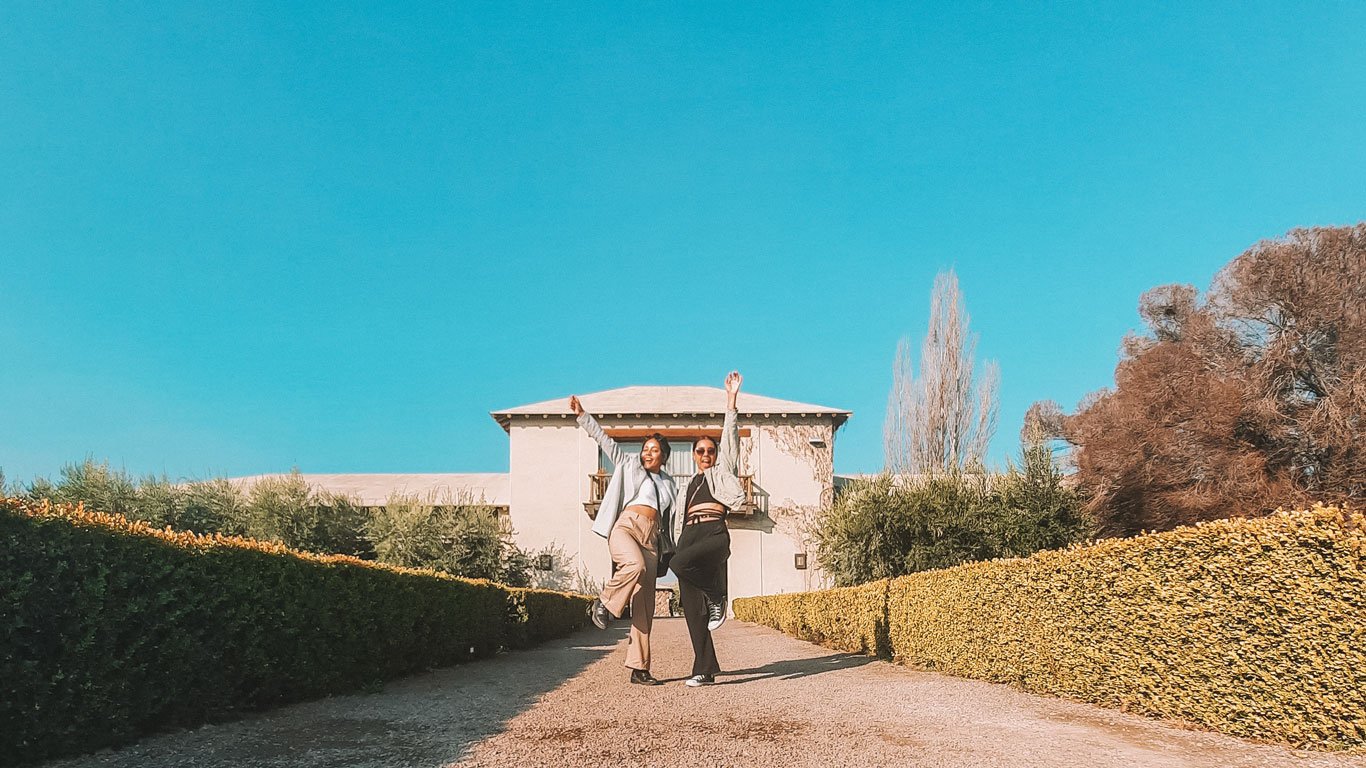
(636, 517)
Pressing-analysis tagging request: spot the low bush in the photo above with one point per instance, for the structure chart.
(1253, 627)
(110, 628)
(535, 615)
(459, 534)
(890, 526)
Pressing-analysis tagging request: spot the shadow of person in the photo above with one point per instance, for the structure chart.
(793, 668)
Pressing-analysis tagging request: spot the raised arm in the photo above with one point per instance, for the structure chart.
(594, 430)
(728, 453)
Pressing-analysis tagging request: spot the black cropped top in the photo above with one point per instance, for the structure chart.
(699, 492)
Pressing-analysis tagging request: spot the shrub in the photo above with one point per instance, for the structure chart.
(211, 506)
(287, 510)
(1253, 627)
(110, 628)
(891, 526)
(535, 615)
(461, 536)
(99, 486)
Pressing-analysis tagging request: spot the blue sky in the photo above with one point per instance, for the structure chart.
(237, 239)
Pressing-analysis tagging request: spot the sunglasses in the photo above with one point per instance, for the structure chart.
(704, 451)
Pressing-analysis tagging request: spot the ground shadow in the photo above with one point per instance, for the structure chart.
(429, 719)
(795, 668)
(882, 627)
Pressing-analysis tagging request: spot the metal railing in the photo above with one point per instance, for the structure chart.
(597, 488)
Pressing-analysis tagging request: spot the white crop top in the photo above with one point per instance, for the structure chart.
(649, 495)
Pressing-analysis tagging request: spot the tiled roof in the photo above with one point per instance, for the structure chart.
(374, 490)
(654, 401)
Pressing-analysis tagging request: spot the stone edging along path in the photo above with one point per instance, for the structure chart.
(782, 703)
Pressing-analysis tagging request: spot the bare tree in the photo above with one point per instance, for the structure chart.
(942, 419)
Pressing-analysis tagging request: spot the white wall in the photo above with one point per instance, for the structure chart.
(784, 465)
(548, 467)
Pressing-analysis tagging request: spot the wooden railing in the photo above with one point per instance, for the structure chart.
(597, 488)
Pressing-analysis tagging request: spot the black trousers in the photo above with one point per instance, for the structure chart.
(700, 564)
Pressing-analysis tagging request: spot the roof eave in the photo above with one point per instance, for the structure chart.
(838, 418)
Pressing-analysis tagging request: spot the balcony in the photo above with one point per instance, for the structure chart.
(597, 487)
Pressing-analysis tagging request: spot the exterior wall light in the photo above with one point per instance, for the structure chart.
(799, 560)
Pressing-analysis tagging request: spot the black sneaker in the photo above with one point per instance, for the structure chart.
(697, 681)
(716, 615)
(600, 615)
(643, 677)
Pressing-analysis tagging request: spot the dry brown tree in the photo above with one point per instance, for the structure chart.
(1250, 399)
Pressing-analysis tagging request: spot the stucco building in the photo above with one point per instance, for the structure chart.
(556, 475)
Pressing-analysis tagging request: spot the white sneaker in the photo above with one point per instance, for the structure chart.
(697, 681)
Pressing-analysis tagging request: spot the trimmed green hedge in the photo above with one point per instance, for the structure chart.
(1253, 627)
(110, 629)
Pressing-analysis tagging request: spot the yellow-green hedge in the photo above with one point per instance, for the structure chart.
(1256, 628)
(110, 629)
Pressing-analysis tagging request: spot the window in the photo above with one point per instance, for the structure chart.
(680, 463)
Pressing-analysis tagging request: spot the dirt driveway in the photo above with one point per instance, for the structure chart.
(784, 703)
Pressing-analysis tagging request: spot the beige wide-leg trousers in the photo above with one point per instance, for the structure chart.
(632, 545)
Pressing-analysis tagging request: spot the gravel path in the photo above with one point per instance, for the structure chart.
(785, 703)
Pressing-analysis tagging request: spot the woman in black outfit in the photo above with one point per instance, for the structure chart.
(704, 545)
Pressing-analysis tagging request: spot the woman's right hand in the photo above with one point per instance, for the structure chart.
(575, 405)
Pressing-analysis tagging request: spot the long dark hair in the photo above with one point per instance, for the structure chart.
(664, 449)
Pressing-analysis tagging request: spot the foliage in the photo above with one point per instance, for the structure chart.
(514, 564)
(156, 501)
(892, 525)
(943, 419)
(1250, 627)
(535, 615)
(110, 628)
(287, 510)
(461, 536)
(99, 486)
(1232, 404)
(210, 506)
(1032, 508)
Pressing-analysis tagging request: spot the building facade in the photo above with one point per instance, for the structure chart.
(556, 475)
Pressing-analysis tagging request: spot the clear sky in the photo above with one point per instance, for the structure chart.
(238, 238)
